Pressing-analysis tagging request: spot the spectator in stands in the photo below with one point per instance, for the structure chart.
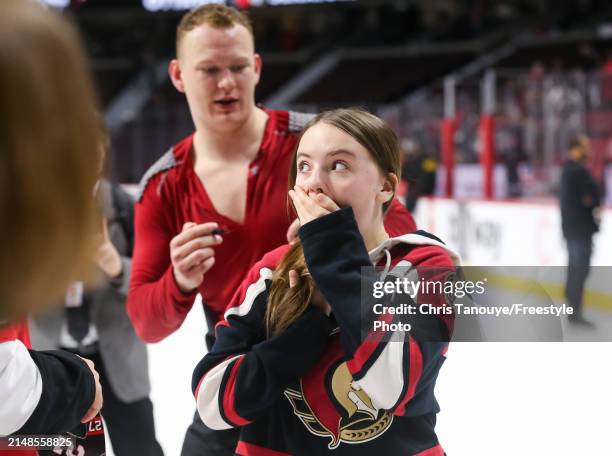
(606, 80)
(216, 202)
(588, 58)
(580, 205)
(48, 168)
(94, 323)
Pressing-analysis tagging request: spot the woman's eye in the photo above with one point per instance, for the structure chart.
(303, 167)
(339, 165)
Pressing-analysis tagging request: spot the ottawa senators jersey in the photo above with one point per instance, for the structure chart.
(319, 387)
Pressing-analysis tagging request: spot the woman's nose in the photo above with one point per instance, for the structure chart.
(316, 182)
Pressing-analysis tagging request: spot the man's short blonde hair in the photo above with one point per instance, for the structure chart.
(217, 16)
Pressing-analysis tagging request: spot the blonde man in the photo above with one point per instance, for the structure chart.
(216, 201)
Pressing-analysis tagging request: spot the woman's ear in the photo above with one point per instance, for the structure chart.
(389, 185)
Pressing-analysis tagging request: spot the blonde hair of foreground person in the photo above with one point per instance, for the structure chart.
(49, 139)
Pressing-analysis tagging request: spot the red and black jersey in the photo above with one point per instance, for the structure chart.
(171, 194)
(41, 392)
(16, 331)
(320, 387)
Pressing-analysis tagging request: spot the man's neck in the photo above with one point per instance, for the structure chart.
(240, 144)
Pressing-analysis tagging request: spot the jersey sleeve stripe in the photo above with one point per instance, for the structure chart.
(229, 407)
(20, 386)
(253, 290)
(7, 332)
(368, 350)
(248, 449)
(414, 374)
(207, 396)
(433, 451)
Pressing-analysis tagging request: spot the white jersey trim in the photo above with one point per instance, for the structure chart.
(20, 386)
(207, 402)
(414, 239)
(252, 292)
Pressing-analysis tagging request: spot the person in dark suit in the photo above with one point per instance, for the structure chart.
(419, 172)
(580, 205)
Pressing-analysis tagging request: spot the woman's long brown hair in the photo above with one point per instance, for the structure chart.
(285, 303)
(49, 139)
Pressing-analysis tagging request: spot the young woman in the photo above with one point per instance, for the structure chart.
(290, 365)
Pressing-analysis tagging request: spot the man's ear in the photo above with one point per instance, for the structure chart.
(257, 67)
(176, 75)
(389, 186)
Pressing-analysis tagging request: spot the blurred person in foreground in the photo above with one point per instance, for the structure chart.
(580, 206)
(216, 201)
(48, 169)
(94, 324)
